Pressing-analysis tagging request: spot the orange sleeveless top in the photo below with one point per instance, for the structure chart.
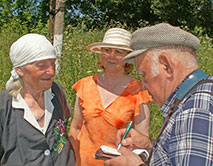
(101, 124)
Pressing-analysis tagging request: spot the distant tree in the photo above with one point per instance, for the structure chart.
(99, 13)
(132, 14)
(137, 13)
(189, 13)
(23, 12)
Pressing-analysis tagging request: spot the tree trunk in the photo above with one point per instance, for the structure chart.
(51, 20)
(58, 29)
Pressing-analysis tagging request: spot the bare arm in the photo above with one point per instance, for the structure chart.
(75, 128)
(141, 121)
(77, 121)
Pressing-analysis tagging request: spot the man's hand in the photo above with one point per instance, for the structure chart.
(127, 158)
(134, 140)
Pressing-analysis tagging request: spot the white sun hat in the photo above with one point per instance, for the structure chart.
(114, 38)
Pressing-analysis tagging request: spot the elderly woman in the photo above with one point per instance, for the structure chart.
(107, 101)
(33, 109)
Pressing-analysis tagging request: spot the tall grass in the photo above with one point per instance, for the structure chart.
(77, 63)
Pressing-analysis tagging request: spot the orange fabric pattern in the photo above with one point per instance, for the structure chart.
(100, 125)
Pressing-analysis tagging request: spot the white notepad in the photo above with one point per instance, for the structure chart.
(109, 150)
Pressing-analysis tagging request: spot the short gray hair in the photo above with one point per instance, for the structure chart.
(175, 53)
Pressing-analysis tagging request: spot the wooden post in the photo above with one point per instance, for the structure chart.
(51, 19)
(58, 29)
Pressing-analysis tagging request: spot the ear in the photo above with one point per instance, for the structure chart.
(20, 72)
(166, 64)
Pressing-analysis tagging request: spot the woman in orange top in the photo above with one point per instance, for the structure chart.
(107, 101)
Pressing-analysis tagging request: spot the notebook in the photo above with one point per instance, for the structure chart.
(106, 152)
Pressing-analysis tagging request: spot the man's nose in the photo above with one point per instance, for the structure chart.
(112, 53)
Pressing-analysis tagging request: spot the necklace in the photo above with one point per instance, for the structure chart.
(39, 119)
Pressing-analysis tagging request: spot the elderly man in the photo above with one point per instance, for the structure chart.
(165, 56)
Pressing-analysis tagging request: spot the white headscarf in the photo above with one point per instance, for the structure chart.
(29, 48)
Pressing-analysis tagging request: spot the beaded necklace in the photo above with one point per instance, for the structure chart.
(39, 119)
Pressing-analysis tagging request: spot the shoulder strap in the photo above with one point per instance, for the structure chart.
(196, 85)
(199, 83)
(173, 107)
(190, 82)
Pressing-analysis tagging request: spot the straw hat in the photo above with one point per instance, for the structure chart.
(114, 38)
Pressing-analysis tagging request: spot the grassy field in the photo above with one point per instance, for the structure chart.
(77, 63)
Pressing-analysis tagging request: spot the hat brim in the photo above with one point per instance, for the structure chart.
(96, 47)
(130, 57)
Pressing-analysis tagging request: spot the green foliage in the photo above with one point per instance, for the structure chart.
(100, 13)
(22, 12)
(205, 54)
(97, 13)
(156, 119)
(41, 28)
(190, 13)
(5, 64)
(77, 62)
(139, 13)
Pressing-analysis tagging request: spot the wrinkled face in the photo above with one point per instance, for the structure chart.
(112, 59)
(154, 84)
(38, 75)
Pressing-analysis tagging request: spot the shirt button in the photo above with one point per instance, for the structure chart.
(47, 152)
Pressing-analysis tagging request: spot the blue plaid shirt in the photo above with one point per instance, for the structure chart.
(187, 139)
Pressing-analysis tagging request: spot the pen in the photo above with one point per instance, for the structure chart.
(125, 134)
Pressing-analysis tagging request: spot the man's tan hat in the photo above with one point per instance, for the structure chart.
(114, 38)
(158, 35)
